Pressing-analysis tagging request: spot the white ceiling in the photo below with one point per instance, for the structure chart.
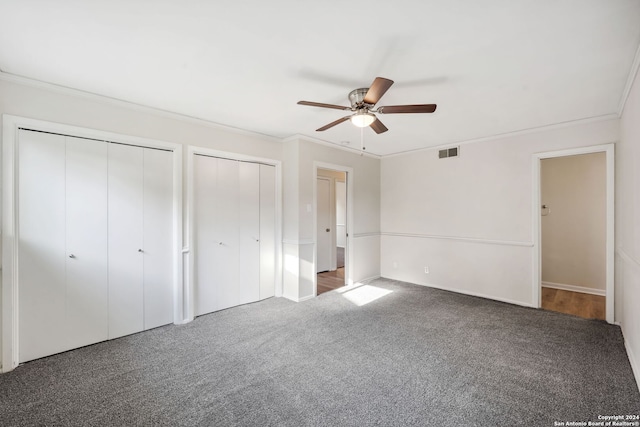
(492, 66)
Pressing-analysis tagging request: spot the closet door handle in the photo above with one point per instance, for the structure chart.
(72, 256)
(140, 250)
(220, 243)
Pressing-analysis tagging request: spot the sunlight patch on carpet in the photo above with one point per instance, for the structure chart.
(360, 294)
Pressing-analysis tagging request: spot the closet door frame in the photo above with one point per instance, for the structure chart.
(188, 260)
(11, 227)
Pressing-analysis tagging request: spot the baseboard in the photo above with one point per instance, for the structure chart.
(478, 294)
(290, 298)
(635, 363)
(296, 299)
(573, 288)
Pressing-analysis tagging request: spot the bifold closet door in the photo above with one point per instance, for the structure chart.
(125, 240)
(140, 239)
(86, 210)
(42, 249)
(62, 253)
(228, 239)
(205, 232)
(267, 231)
(227, 233)
(249, 232)
(217, 233)
(86, 216)
(157, 246)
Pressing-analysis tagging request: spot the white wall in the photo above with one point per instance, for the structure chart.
(468, 218)
(628, 226)
(574, 224)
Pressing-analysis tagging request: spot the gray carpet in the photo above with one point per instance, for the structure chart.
(416, 356)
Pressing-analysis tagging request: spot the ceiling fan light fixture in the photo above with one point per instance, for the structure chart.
(362, 119)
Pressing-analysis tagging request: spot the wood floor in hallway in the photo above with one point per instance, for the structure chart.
(330, 280)
(576, 303)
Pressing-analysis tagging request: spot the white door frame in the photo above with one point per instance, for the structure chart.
(348, 274)
(186, 250)
(10, 227)
(609, 150)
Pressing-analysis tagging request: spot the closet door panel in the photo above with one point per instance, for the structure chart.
(267, 231)
(205, 245)
(41, 250)
(158, 238)
(249, 232)
(227, 227)
(125, 240)
(86, 226)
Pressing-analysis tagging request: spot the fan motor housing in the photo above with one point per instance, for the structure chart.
(356, 97)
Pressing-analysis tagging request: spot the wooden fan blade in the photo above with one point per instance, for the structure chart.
(319, 104)
(398, 109)
(378, 88)
(332, 124)
(378, 127)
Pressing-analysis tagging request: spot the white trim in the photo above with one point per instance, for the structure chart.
(10, 226)
(574, 288)
(303, 299)
(609, 150)
(630, 79)
(64, 90)
(298, 137)
(193, 151)
(461, 239)
(633, 360)
(349, 254)
(511, 134)
(477, 294)
(301, 242)
(13, 78)
(9, 249)
(372, 234)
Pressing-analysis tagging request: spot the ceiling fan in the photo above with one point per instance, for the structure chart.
(362, 105)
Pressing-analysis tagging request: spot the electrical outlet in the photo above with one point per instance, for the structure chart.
(395, 264)
(426, 270)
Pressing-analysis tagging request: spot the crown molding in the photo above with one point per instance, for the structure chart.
(522, 132)
(25, 81)
(65, 90)
(630, 79)
(298, 136)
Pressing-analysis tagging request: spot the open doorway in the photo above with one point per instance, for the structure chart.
(331, 229)
(574, 225)
(573, 246)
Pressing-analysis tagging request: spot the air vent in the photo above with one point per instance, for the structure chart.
(448, 152)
